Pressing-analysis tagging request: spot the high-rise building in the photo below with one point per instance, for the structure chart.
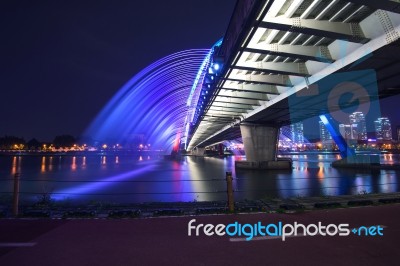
(383, 129)
(285, 134)
(398, 133)
(358, 126)
(297, 132)
(346, 131)
(324, 134)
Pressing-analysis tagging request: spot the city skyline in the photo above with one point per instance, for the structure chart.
(387, 109)
(355, 130)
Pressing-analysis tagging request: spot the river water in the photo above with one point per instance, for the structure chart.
(149, 178)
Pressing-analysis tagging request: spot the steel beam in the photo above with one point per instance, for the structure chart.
(388, 5)
(333, 30)
(232, 106)
(237, 100)
(243, 95)
(222, 113)
(295, 69)
(281, 80)
(315, 53)
(256, 88)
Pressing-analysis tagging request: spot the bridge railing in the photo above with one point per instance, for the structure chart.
(236, 25)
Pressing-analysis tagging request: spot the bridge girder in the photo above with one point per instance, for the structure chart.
(279, 80)
(328, 29)
(315, 53)
(295, 69)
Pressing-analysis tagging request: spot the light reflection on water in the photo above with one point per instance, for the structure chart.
(145, 178)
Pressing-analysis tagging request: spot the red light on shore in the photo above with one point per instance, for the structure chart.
(177, 141)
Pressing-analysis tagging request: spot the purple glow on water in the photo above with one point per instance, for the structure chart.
(94, 186)
(152, 103)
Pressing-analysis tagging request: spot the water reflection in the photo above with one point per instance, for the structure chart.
(16, 165)
(43, 165)
(51, 163)
(193, 178)
(388, 158)
(362, 184)
(59, 162)
(389, 181)
(73, 165)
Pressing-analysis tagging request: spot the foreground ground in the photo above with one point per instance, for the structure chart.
(165, 241)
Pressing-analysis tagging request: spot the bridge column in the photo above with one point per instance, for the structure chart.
(198, 151)
(260, 145)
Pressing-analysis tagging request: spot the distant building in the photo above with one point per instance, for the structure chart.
(356, 129)
(284, 138)
(346, 131)
(297, 132)
(358, 126)
(324, 134)
(383, 129)
(398, 133)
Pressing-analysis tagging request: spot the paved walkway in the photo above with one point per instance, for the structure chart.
(164, 241)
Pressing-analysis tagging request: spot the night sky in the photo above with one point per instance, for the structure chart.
(61, 61)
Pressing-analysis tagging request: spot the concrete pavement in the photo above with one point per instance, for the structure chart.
(164, 241)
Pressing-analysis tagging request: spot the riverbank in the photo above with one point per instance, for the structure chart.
(79, 153)
(157, 209)
(131, 152)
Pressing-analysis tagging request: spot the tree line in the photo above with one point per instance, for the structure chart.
(13, 142)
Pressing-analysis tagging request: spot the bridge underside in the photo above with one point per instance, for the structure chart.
(385, 62)
(277, 65)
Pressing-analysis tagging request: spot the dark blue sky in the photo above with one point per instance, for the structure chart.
(61, 61)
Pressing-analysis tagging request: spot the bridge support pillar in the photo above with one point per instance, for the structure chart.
(261, 145)
(198, 151)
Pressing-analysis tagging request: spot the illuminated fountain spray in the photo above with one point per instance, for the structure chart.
(158, 102)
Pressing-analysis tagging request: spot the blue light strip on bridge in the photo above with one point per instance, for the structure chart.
(345, 150)
(200, 76)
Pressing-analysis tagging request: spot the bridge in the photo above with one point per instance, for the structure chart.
(274, 52)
